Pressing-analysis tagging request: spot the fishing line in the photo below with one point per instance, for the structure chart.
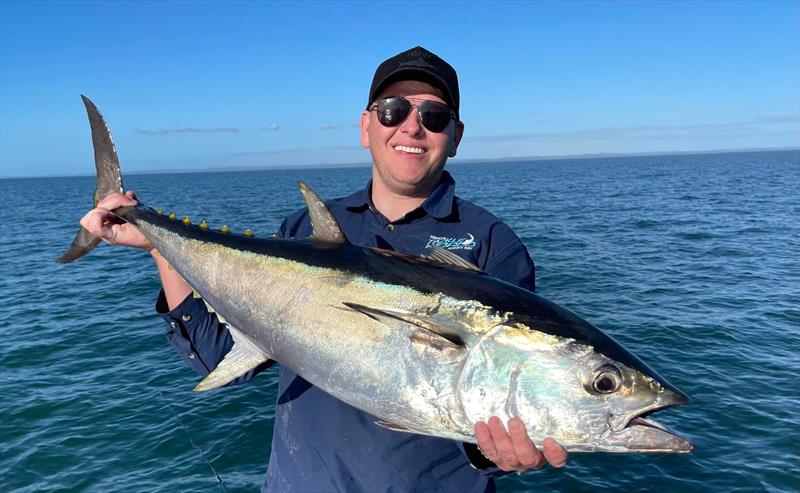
(217, 477)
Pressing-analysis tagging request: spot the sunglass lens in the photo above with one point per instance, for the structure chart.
(435, 116)
(393, 111)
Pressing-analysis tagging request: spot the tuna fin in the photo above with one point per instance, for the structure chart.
(243, 357)
(322, 221)
(442, 256)
(210, 308)
(393, 427)
(424, 333)
(83, 243)
(109, 177)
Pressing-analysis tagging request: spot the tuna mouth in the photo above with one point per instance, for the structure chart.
(664, 400)
(647, 435)
(641, 421)
(639, 433)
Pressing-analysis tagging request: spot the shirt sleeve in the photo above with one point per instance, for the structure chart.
(512, 264)
(479, 462)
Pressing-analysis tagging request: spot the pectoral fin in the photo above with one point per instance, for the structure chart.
(243, 357)
(393, 427)
(423, 336)
(446, 257)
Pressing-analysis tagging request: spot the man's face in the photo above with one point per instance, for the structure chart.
(408, 159)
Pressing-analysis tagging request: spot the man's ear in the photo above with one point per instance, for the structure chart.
(365, 119)
(456, 139)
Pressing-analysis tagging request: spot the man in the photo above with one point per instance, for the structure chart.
(411, 126)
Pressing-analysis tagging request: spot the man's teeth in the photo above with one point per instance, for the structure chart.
(412, 150)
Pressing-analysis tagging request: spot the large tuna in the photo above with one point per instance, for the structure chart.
(426, 345)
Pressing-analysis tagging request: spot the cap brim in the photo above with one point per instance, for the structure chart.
(414, 74)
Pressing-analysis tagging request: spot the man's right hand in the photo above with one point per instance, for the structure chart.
(102, 223)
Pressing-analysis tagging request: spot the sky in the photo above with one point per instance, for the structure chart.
(226, 85)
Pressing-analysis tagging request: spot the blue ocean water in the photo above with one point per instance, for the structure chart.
(691, 261)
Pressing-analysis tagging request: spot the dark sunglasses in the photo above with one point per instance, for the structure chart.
(394, 111)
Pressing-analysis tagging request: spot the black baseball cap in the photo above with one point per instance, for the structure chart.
(417, 64)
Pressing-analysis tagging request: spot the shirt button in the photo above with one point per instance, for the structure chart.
(186, 317)
(192, 356)
(173, 324)
(390, 227)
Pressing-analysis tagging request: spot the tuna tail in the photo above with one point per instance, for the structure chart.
(109, 178)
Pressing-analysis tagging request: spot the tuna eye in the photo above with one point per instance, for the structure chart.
(607, 381)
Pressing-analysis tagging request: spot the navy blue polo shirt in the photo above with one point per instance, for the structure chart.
(321, 444)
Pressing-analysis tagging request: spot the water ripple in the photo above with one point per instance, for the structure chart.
(667, 254)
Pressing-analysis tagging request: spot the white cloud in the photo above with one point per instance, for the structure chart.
(188, 130)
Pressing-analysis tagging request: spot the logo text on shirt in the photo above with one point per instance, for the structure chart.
(466, 243)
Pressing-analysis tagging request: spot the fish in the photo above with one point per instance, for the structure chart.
(427, 345)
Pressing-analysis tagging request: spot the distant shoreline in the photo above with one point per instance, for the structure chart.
(587, 157)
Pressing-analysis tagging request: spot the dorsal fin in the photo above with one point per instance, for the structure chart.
(323, 223)
(447, 257)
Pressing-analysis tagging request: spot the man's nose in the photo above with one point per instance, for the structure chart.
(411, 125)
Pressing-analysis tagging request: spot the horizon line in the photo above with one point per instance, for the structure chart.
(584, 156)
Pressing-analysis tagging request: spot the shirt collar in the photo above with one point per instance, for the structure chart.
(439, 204)
(360, 199)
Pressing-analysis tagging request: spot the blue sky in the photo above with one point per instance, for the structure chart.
(189, 85)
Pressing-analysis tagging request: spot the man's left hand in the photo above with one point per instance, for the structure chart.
(512, 450)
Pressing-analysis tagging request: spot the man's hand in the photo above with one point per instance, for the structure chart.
(513, 450)
(102, 223)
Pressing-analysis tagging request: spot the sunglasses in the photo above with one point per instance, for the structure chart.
(394, 111)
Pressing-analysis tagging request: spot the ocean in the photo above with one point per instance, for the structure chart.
(690, 261)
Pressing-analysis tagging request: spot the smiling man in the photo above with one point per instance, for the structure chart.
(408, 158)
(411, 126)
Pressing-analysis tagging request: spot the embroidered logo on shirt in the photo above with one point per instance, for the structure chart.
(466, 243)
